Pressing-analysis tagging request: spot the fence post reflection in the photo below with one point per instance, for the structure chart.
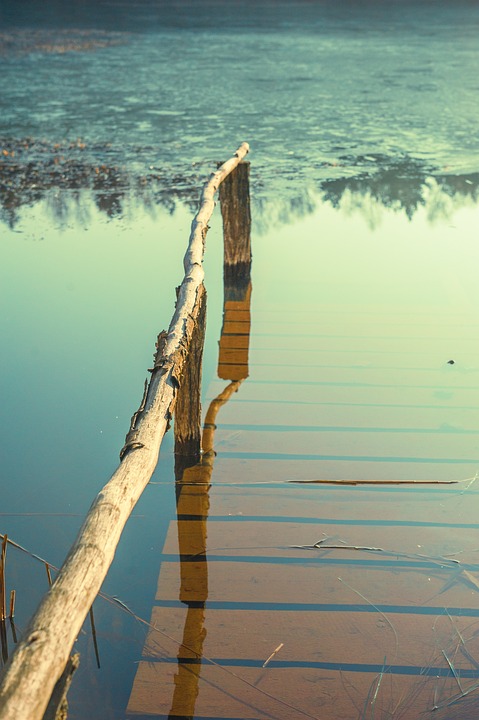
(192, 470)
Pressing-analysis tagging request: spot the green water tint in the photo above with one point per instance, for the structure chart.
(355, 312)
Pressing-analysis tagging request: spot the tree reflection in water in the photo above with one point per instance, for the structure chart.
(69, 174)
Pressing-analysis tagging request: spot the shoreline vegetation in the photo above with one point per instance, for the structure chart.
(32, 170)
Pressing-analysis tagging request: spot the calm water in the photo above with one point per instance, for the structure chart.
(320, 90)
(365, 173)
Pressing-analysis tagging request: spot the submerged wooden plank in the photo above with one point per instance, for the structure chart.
(282, 693)
(266, 469)
(348, 639)
(265, 539)
(353, 327)
(234, 356)
(236, 327)
(442, 375)
(238, 314)
(299, 584)
(291, 415)
(365, 358)
(355, 394)
(234, 341)
(349, 443)
(440, 347)
(349, 506)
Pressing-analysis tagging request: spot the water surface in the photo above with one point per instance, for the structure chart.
(362, 352)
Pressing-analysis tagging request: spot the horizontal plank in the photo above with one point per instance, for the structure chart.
(236, 327)
(227, 371)
(354, 327)
(354, 394)
(346, 638)
(349, 443)
(373, 315)
(239, 412)
(267, 470)
(237, 581)
(277, 539)
(237, 314)
(283, 694)
(235, 356)
(366, 358)
(444, 376)
(443, 505)
(441, 348)
(240, 304)
(234, 341)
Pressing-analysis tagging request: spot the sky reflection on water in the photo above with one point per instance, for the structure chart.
(354, 352)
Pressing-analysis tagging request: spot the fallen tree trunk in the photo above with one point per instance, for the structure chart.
(40, 657)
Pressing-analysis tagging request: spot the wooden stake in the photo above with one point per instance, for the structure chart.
(42, 653)
(188, 403)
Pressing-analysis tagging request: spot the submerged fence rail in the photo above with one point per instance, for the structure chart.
(40, 658)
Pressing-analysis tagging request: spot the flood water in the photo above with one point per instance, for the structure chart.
(335, 528)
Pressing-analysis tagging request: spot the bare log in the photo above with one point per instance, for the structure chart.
(40, 657)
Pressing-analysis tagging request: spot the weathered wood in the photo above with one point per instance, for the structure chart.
(40, 657)
(57, 708)
(188, 402)
(235, 209)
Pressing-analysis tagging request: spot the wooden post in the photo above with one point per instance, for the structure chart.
(188, 403)
(40, 657)
(236, 212)
(234, 341)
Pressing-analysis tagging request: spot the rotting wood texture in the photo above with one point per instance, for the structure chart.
(42, 654)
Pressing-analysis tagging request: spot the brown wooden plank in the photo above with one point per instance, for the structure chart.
(355, 327)
(280, 539)
(352, 358)
(257, 470)
(441, 348)
(444, 375)
(234, 356)
(311, 583)
(238, 304)
(309, 637)
(291, 414)
(320, 694)
(237, 314)
(363, 316)
(234, 341)
(360, 444)
(233, 372)
(355, 394)
(236, 327)
(444, 505)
